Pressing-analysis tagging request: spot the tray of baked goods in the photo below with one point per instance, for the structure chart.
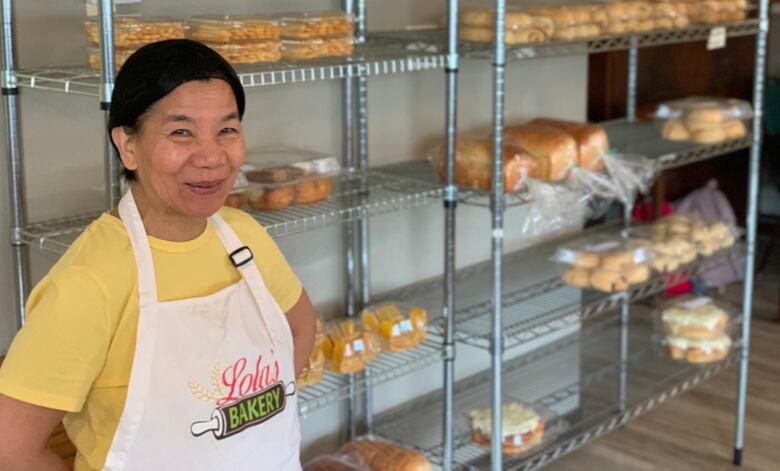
(561, 396)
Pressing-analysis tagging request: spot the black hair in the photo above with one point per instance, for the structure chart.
(154, 71)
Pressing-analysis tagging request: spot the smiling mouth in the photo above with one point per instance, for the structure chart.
(205, 187)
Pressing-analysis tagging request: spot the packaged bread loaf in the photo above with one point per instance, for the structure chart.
(223, 29)
(348, 347)
(704, 120)
(314, 369)
(556, 149)
(592, 141)
(399, 326)
(383, 455)
(474, 164)
(670, 251)
(133, 31)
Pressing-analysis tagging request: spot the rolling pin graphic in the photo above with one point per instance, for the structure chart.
(249, 411)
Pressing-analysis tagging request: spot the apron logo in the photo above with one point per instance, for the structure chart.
(243, 398)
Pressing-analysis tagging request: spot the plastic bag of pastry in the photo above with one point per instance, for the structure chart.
(314, 369)
(136, 31)
(233, 29)
(707, 235)
(384, 455)
(348, 347)
(523, 427)
(555, 149)
(704, 120)
(278, 177)
(552, 207)
(477, 24)
(337, 462)
(605, 263)
(631, 173)
(399, 326)
(474, 164)
(670, 251)
(326, 24)
(694, 317)
(698, 351)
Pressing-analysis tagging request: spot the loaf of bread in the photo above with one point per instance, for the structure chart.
(339, 462)
(382, 455)
(592, 140)
(474, 165)
(556, 149)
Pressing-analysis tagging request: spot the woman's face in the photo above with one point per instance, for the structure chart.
(187, 150)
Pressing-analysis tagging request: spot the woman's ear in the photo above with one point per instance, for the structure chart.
(125, 142)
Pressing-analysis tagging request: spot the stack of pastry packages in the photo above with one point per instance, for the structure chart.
(310, 36)
(605, 263)
(243, 39)
(570, 21)
(704, 120)
(130, 33)
(695, 329)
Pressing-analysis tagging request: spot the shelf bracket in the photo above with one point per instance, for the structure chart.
(16, 236)
(449, 352)
(9, 81)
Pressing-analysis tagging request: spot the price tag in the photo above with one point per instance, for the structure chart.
(358, 345)
(717, 38)
(405, 325)
(696, 302)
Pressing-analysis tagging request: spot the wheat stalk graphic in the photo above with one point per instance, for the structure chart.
(204, 394)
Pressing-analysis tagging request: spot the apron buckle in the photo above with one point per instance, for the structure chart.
(241, 256)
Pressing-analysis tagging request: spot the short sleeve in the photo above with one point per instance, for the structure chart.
(279, 277)
(56, 356)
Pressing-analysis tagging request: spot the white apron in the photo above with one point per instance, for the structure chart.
(212, 383)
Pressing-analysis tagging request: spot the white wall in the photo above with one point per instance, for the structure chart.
(62, 142)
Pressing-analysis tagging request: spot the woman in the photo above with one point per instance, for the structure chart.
(170, 333)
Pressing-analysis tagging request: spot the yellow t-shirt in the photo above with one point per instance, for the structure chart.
(76, 349)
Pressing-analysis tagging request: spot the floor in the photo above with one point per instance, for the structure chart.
(695, 430)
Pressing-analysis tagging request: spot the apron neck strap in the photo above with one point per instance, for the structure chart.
(131, 218)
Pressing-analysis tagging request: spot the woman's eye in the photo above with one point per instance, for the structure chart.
(228, 131)
(181, 133)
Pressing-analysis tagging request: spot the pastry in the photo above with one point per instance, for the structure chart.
(383, 455)
(235, 200)
(734, 129)
(515, 36)
(555, 148)
(618, 260)
(521, 428)
(637, 274)
(703, 116)
(675, 130)
(665, 264)
(312, 191)
(134, 32)
(269, 199)
(249, 52)
(474, 165)
(348, 347)
(708, 136)
(319, 25)
(698, 350)
(227, 29)
(398, 332)
(698, 318)
(576, 276)
(592, 141)
(608, 281)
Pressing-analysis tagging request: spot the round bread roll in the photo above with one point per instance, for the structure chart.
(508, 445)
(543, 23)
(586, 260)
(664, 23)
(708, 136)
(675, 130)
(311, 191)
(637, 274)
(518, 19)
(608, 281)
(564, 34)
(708, 248)
(698, 351)
(633, 26)
(616, 27)
(688, 255)
(476, 34)
(681, 22)
(734, 129)
(618, 260)
(577, 277)
(665, 264)
(646, 25)
(710, 115)
(235, 200)
(599, 17)
(269, 199)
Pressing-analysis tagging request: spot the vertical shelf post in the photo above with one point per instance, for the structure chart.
(497, 212)
(633, 63)
(752, 224)
(450, 206)
(13, 150)
(106, 33)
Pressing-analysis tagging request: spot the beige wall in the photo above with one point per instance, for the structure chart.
(63, 158)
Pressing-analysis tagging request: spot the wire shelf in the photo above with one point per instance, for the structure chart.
(356, 195)
(392, 53)
(335, 387)
(610, 43)
(645, 139)
(577, 378)
(536, 301)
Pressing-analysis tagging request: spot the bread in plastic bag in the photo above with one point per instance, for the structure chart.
(337, 462)
(384, 455)
(631, 174)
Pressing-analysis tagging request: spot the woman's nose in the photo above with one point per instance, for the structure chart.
(209, 154)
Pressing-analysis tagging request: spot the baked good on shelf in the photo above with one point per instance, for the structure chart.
(734, 129)
(675, 130)
(249, 52)
(474, 164)
(608, 281)
(235, 200)
(619, 260)
(312, 191)
(226, 29)
(317, 25)
(698, 350)
(398, 331)
(314, 369)
(577, 276)
(481, 34)
(137, 31)
(383, 455)
(348, 347)
(592, 140)
(556, 148)
(270, 198)
(637, 274)
(708, 135)
(697, 318)
(665, 264)
(521, 427)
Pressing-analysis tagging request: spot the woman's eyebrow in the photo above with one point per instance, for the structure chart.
(230, 117)
(172, 118)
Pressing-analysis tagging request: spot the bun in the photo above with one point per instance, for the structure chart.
(618, 260)
(708, 136)
(268, 199)
(675, 130)
(235, 200)
(382, 455)
(312, 191)
(608, 281)
(552, 146)
(576, 276)
(734, 129)
(592, 140)
(637, 274)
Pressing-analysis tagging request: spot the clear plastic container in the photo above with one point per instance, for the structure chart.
(278, 177)
(669, 251)
(524, 427)
(604, 263)
(718, 11)
(233, 29)
(521, 27)
(671, 14)
(694, 317)
(348, 347)
(249, 52)
(136, 31)
(704, 120)
(316, 25)
(94, 57)
(305, 49)
(399, 326)
(708, 236)
(697, 351)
